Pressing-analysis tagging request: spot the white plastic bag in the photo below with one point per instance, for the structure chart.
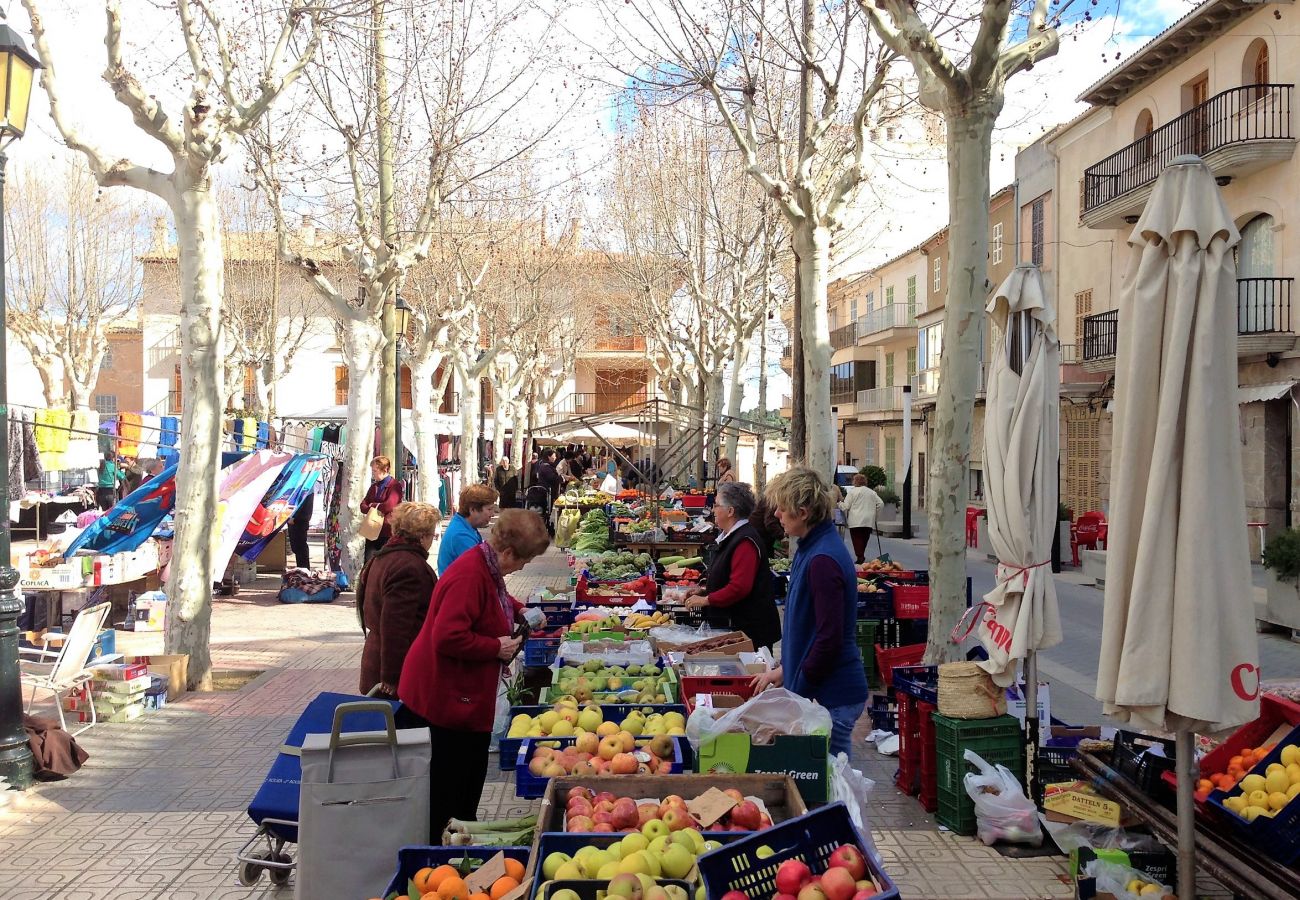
(1116, 879)
(775, 711)
(1002, 811)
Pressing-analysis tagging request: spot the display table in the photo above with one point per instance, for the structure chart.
(664, 548)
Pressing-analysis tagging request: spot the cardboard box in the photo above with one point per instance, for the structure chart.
(275, 555)
(1160, 865)
(63, 577)
(1079, 802)
(120, 672)
(149, 615)
(728, 644)
(173, 668)
(805, 758)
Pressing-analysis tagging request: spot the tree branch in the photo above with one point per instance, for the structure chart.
(145, 110)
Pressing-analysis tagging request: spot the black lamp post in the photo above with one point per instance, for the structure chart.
(17, 68)
(401, 321)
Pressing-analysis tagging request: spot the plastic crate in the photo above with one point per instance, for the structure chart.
(996, 740)
(929, 786)
(694, 501)
(541, 652)
(740, 685)
(888, 658)
(812, 837)
(465, 859)
(1053, 767)
(508, 747)
(911, 601)
(883, 713)
(908, 777)
(921, 682)
(593, 889)
(558, 612)
(893, 633)
(875, 605)
(1279, 835)
(1273, 712)
(866, 639)
(613, 698)
(533, 787)
(1131, 759)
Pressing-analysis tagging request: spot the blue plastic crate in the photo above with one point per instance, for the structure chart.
(812, 837)
(593, 889)
(883, 713)
(531, 787)
(541, 652)
(466, 859)
(508, 747)
(921, 682)
(876, 605)
(1278, 836)
(549, 842)
(558, 612)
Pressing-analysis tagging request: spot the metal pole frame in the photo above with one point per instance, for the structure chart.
(15, 755)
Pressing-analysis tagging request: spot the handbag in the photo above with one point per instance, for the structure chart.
(363, 796)
(372, 524)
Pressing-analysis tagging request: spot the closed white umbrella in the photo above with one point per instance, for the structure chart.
(1178, 647)
(1021, 448)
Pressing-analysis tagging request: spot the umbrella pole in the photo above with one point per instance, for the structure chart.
(1032, 724)
(1184, 764)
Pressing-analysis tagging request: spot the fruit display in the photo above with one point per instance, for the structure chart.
(614, 754)
(614, 565)
(586, 500)
(592, 676)
(845, 878)
(593, 533)
(781, 565)
(868, 586)
(448, 882)
(880, 567)
(586, 810)
(1266, 793)
(566, 719)
(681, 562)
(1238, 766)
(1141, 888)
(629, 866)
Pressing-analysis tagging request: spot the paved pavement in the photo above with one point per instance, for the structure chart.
(159, 809)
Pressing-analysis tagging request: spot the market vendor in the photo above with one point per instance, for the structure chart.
(738, 593)
(820, 659)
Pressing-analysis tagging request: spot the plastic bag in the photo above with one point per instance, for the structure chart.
(676, 635)
(1070, 837)
(775, 711)
(1002, 811)
(1119, 880)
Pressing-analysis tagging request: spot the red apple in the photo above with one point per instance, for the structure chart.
(604, 818)
(734, 794)
(838, 883)
(605, 796)
(849, 857)
(646, 812)
(584, 793)
(677, 819)
(603, 827)
(735, 895)
(764, 821)
(580, 823)
(813, 892)
(865, 894)
(604, 806)
(624, 813)
(747, 815)
(792, 875)
(580, 806)
(785, 897)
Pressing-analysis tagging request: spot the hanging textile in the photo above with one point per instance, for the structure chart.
(52, 438)
(15, 460)
(241, 490)
(333, 545)
(330, 434)
(248, 435)
(32, 470)
(263, 435)
(236, 431)
(296, 481)
(108, 438)
(128, 432)
(130, 523)
(168, 435)
(150, 426)
(83, 447)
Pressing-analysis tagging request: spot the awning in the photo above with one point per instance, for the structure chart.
(1256, 393)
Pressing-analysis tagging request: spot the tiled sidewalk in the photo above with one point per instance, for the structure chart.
(159, 810)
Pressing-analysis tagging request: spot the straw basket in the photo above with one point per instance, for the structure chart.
(967, 692)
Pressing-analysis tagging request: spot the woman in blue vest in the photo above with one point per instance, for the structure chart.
(819, 652)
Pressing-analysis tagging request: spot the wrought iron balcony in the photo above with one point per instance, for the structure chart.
(1236, 132)
(1100, 336)
(844, 337)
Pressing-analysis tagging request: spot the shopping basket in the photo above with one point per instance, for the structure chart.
(274, 808)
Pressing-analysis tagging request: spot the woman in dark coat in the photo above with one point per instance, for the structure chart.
(384, 494)
(393, 594)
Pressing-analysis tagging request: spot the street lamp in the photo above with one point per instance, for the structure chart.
(17, 68)
(401, 321)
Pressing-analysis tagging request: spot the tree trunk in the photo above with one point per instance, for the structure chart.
(970, 132)
(713, 449)
(264, 377)
(363, 341)
(471, 397)
(189, 590)
(736, 396)
(760, 443)
(813, 245)
(50, 369)
(79, 393)
(390, 400)
(423, 402)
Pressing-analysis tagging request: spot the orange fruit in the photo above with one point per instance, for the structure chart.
(1205, 785)
(1236, 761)
(453, 888)
(479, 896)
(515, 869)
(427, 881)
(502, 886)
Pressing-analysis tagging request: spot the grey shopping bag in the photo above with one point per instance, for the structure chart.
(363, 796)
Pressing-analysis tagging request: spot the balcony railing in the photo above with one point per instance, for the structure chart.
(1264, 305)
(843, 395)
(587, 404)
(926, 382)
(1071, 354)
(1254, 112)
(619, 344)
(894, 315)
(885, 399)
(1100, 335)
(844, 337)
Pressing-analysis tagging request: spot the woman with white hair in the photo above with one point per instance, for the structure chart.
(739, 591)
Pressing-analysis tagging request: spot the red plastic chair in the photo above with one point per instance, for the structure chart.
(1089, 532)
(973, 514)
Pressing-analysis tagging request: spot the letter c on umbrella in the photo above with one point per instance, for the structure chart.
(1239, 674)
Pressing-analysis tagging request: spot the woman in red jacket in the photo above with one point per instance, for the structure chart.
(453, 669)
(384, 494)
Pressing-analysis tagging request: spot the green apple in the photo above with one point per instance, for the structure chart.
(764, 852)
(570, 871)
(584, 852)
(711, 845)
(564, 894)
(661, 843)
(697, 839)
(635, 864)
(608, 870)
(592, 862)
(632, 843)
(652, 861)
(625, 886)
(552, 864)
(677, 861)
(655, 828)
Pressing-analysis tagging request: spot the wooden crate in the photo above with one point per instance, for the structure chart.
(779, 794)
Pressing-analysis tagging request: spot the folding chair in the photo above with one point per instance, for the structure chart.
(58, 673)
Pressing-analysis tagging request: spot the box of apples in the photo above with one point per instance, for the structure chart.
(588, 811)
(819, 856)
(541, 759)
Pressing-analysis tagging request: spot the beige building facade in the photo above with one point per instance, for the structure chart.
(1219, 83)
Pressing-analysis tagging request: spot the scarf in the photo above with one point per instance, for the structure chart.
(494, 569)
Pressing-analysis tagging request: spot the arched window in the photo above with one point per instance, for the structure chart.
(1257, 305)
(1142, 132)
(1254, 66)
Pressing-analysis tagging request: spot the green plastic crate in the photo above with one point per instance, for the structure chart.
(866, 637)
(996, 740)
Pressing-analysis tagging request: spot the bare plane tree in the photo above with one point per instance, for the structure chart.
(72, 274)
(231, 84)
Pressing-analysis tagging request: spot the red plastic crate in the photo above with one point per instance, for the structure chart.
(694, 501)
(929, 758)
(908, 778)
(911, 601)
(740, 685)
(1273, 712)
(887, 658)
(1279, 835)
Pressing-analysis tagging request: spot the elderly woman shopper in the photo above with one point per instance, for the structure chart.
(474, 509)
(457, 662)
(861, 505)
(393, 594)
(384, 494)
(739, 594)
(819, 653)
(725, 472)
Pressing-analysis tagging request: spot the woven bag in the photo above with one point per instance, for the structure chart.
(966, 691)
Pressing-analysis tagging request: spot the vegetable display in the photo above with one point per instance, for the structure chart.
(593, 533)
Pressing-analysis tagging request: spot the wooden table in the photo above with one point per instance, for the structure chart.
(663, 548)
